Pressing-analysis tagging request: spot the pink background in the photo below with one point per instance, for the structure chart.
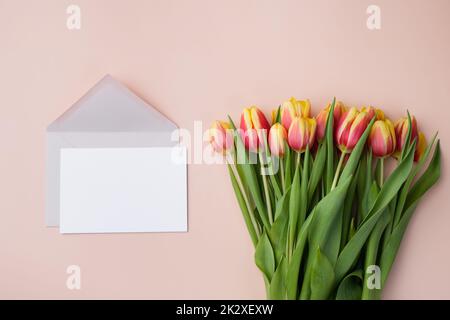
(199, 60)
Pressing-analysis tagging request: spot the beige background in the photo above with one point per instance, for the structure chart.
(199, 60)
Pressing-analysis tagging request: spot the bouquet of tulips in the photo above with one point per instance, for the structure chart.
(325, 215)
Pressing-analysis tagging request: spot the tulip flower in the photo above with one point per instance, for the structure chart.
(350, 128)
(382, 138)
(220, 136)
(255, 127)
(374, 112)
(322, 117)
(401, 131)
(302, 133)
(277, 138)
(420, 147)
(294, 108)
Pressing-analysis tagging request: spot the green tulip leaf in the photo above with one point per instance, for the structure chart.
(329, 140)
(317, 170)
(287, 166)
(278, 232)
(264, 257)
(405, 189)
(242, 205)
(278, 115)
(326, 217)
(275, 186)
(352, 250)
(278, 283)
(322, 277)
(427, 180)
(295, 261)
(303, 206)
(391, 248)
(350, 287)
(393, 183)
(373, 243)
(347, 210)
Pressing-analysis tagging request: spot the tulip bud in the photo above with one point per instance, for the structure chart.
(302, 133)
(294, 108)
(277, 139)
(374, 112)
(350, 128)
(220, 136)
(420, 147)
(401, 131)
(382, 138)
(322, 117)
(255, 127)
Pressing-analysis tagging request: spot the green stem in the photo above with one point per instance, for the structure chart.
(266, 190)
(338, 170)
(267, 286)
(372, 248)
(381, 172)
(246, 200)
(371, 258)
(283, 184)
(292, 228)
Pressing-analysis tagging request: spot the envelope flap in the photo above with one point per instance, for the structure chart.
(110, 106)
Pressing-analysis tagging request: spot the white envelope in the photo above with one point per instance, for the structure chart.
(112, 118)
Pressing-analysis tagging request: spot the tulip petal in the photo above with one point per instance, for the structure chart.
(259, 119)
(277, 138)
(287, 114)
(357, 129)
(421, 146)
(343, 128)
(321, 123)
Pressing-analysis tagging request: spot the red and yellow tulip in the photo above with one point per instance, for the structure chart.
(220, 136)
(302, 133)
(277, 139)
(255, 127)
(350, 128)
(374, 112)
(322, 117)
(382, 139)
(401, 131)
(294, 108)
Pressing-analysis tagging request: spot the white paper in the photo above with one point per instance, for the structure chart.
(109, 115)
(123, 190)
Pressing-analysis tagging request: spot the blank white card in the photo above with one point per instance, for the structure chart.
(123, 190)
